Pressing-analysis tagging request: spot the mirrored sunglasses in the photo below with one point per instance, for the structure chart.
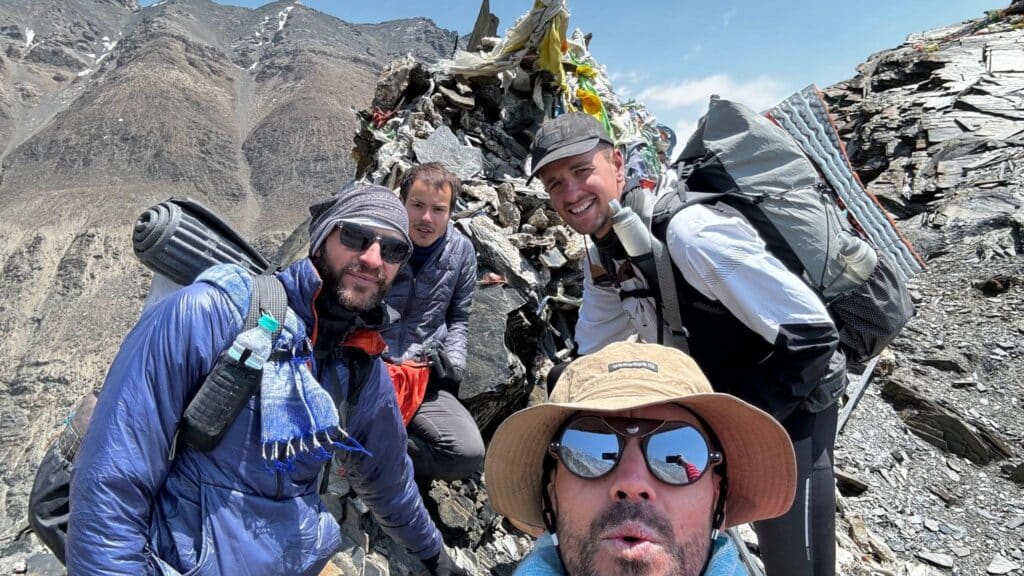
(360, 238)
(676, 452)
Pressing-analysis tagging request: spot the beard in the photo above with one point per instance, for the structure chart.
(356, 299)
(580, 551)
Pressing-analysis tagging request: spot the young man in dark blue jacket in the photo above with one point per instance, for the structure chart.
(433, 293)
(143, 504)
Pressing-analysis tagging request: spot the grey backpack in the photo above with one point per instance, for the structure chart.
(740, 158)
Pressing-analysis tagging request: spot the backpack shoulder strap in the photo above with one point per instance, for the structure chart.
(668, 204)
(268, 297)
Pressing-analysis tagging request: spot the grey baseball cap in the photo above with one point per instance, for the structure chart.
(570, 134)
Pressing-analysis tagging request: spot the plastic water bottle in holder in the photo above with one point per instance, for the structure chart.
(234, 379)
(254, 346)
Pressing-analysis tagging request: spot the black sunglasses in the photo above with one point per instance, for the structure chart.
(676, 452)
(360, 238)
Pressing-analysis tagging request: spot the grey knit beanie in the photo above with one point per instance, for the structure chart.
(360, 202)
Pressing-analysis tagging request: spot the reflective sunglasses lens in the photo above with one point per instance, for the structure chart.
(355, 237)
(588, 448)
(393, 250)
(677, 455)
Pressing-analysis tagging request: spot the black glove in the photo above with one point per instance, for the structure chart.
(443, 565)
(443, 375)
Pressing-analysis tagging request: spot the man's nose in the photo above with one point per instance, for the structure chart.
(370, 258)
(631, 479)
(572, 188)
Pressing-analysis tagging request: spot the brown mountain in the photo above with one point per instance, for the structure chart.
(106, 109)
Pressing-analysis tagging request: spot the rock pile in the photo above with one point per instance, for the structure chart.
(477, 115)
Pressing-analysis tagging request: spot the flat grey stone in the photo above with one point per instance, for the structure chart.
(937, 559)
(1000, 565)
(442, 146)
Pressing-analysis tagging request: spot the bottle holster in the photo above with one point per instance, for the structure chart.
(226, 390)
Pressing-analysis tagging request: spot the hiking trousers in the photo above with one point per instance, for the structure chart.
(444, 441)
(803, 541)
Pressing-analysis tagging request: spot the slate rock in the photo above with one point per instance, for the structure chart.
(937, 559)
(461, 100)
(553, 259)
(442, 146)
(393, 82)
(1000, 565)
(1015, 472)
(495, 378)
(496, 250)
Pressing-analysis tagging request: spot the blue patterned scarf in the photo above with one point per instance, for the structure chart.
(298, 417)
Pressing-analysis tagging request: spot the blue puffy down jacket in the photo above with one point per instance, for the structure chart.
(435, 303)
(134, 511)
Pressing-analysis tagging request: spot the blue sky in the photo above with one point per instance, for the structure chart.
(671, 55)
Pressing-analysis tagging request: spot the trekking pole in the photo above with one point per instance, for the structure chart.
(857, 392)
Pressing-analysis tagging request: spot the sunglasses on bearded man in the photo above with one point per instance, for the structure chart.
(676, 452)
(359, 238)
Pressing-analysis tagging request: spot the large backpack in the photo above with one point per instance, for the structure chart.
(49, 501)
(740, 158)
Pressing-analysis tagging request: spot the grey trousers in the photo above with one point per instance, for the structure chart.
(444, 441)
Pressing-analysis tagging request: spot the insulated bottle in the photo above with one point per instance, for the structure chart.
(860, 259)
(631, 230)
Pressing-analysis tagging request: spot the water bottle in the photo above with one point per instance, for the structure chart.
(860, 259)
(631, 230)
(254, 346)
(234, 379)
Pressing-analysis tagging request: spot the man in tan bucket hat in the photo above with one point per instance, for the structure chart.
(610, 505)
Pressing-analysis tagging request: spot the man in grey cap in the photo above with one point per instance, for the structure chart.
(143, 503)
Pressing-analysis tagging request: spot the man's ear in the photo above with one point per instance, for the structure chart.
(551, 489)
(619, 163)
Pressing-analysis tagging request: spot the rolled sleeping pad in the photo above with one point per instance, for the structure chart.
(179, 238)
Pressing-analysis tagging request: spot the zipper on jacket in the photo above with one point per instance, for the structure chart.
(405, 314)
(280, 485)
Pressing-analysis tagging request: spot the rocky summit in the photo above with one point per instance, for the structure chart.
(106, 109)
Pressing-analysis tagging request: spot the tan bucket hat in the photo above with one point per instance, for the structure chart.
(758, 453)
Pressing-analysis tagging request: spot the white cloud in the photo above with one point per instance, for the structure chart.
(631, 77)
(683, 130)
(758, 93)
(728, 16)
(680, 103)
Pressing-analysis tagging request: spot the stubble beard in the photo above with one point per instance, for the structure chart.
(580, 551)
(349, 298)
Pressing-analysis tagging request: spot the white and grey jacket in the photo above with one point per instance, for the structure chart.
(756, 329)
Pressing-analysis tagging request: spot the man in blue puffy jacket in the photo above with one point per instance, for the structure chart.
(433, 294)
(143, 504)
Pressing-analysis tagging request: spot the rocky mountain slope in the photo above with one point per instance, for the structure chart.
(936, 129)
(106, 109)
